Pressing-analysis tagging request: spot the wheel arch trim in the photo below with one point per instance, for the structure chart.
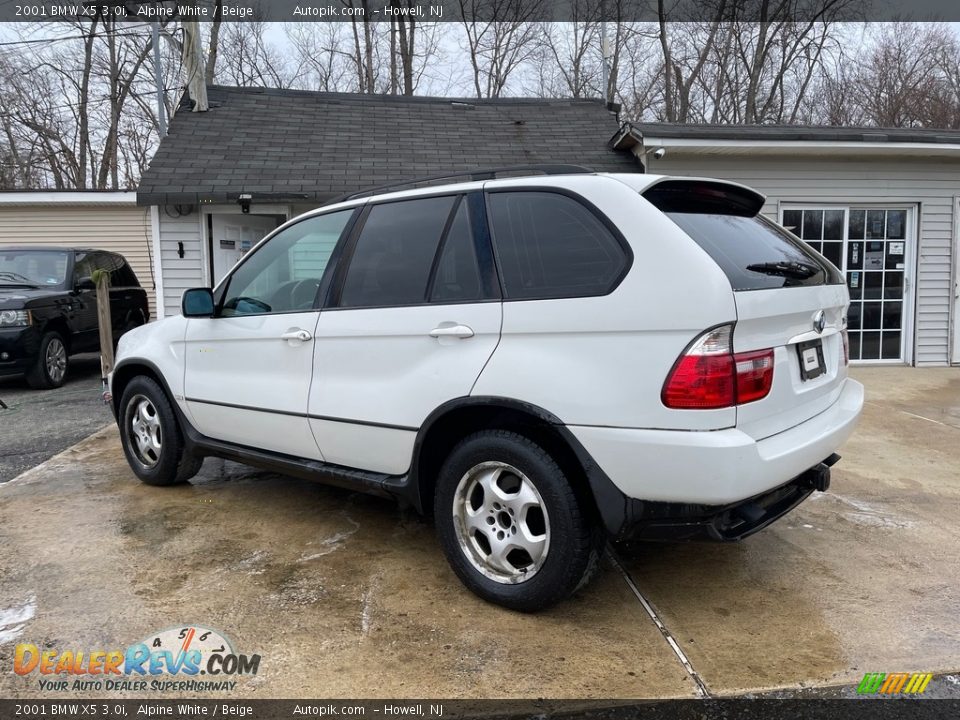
(164, 385)
(612, 505)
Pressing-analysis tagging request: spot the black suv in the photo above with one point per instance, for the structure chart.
(48, 308)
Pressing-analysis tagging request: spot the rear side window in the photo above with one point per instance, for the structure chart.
(394, 254)
(122, 275)
(755, 253)
(551, 246)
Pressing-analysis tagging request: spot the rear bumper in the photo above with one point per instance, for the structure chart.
(729, 523)
(719, 467)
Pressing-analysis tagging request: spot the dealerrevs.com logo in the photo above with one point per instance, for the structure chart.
(187, 658)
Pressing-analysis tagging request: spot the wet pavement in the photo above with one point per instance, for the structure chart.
(345, 595)
(37, 424)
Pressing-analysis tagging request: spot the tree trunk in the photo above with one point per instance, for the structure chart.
(211, 67)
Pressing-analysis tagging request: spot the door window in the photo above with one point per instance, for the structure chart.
(284, 274)
(870, 246)
(551, 246)
(457, 277)
(394, 254)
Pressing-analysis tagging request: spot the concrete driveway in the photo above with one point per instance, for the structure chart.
(345, 595)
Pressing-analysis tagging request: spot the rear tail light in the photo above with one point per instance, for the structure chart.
(709, 375)
(754, 375)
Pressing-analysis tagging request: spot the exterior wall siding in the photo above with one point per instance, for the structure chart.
(179, 274)
(125, 230)
(931, 185)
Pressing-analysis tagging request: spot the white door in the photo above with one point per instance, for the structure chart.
(408, 333)
(248, 369)
(233, 236)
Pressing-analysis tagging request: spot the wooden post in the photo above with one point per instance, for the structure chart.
(102, 280)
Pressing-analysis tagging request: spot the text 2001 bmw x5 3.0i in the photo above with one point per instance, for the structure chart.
(539, 362)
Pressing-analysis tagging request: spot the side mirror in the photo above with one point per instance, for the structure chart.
(197, 302)
(86, 283)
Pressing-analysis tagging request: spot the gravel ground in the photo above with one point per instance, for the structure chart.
(38, 424)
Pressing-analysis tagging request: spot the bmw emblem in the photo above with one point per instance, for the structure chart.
(819, 321)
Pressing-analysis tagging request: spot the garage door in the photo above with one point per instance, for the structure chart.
(873, 246)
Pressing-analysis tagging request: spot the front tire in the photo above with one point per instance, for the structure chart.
(50, 368)
(510, 522)
(151, 437)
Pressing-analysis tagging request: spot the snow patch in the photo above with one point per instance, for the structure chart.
(13, 620)
(328, 545)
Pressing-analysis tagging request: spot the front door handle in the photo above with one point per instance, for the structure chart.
(451, 330)
(298, 334)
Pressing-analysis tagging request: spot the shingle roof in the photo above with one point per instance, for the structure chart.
(822, 133)
(290, 144)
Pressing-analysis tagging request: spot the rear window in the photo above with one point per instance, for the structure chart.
(755, 253)
(723, 219)
(551, 246)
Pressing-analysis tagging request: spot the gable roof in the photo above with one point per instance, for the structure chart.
(290, 145)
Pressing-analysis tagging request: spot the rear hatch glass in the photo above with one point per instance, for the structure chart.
(754, 253)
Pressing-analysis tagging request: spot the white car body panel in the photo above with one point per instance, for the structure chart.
(265, 372)
(779, 319)
(610, 355)
(380, 367)
(716, 468)
(160, 343)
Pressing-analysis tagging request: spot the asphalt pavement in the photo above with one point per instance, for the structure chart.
(38, 424)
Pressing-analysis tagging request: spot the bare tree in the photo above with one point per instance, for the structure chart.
(245, 57)
(68, 105)
(499, 46)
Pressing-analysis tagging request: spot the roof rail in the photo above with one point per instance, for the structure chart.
(476, 174)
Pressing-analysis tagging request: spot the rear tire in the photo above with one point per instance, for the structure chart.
(510, 523)
(151, 437)
(50, 368)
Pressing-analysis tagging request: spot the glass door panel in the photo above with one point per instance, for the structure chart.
(870, 246)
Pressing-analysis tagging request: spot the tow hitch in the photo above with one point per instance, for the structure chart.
(818, 477)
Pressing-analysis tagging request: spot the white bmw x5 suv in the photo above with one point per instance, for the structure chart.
(539, 362)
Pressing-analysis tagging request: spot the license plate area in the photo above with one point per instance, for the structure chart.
(810, 354)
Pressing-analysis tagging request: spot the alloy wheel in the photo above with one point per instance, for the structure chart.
(501, 522)
(144, 424)
(56, 361)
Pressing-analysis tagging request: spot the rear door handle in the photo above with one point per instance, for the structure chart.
(450, 330)
(298, 334)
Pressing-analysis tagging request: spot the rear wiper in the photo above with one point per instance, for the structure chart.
(791, 269)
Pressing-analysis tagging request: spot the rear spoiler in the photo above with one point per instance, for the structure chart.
(704, 196)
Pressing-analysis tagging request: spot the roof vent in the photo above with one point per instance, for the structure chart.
(462, 105)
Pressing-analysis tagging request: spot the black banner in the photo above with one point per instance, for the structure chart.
(729, 709)
(480, 10)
